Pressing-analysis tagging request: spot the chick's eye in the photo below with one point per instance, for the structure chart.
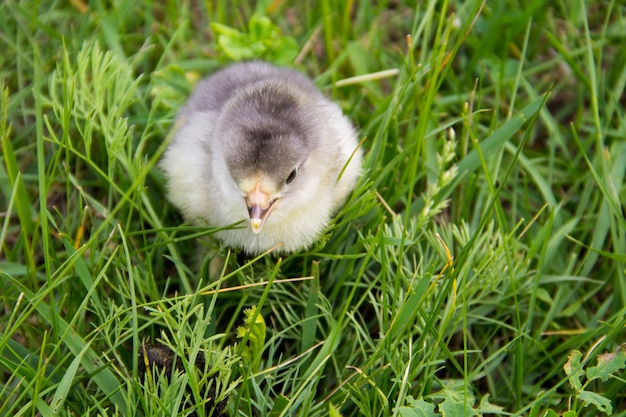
(291, 177)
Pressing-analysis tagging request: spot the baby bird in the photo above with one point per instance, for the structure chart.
(261, 146)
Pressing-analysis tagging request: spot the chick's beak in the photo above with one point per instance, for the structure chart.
(259, 207)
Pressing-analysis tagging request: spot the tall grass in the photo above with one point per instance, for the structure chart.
(477, 269)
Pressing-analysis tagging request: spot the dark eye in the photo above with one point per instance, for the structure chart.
(291, 176)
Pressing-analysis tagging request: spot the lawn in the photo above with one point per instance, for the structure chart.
(478, 268)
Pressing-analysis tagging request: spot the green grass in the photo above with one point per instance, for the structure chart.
(500, 137)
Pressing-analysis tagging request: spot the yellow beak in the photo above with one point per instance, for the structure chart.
(259, 207)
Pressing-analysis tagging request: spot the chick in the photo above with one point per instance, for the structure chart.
(259, 146)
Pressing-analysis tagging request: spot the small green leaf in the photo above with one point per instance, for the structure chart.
(262, 40)
(239, 49)
(333, 411)
(574, 369)
(455, 406)
(261, 27)
(608, 364)
(219, 29)
(417, 408)
(534, 411)
(255, 330)
(485, 407)
(601, 403)
(286, 53)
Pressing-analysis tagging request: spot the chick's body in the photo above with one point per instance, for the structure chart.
(260, 143)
